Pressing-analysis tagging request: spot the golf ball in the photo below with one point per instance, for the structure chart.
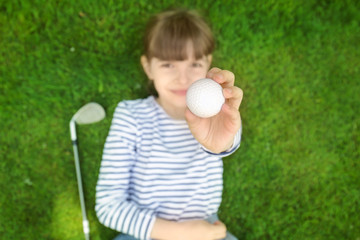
(204, 98)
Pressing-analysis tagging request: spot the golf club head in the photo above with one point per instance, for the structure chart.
(90, 113)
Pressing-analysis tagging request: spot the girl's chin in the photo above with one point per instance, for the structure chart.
(178, 103)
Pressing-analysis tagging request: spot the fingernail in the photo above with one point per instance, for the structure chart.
(228, 90)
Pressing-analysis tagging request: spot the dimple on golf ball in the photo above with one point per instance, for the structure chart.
(204, 98)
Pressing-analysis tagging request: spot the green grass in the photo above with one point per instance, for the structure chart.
(296, 174)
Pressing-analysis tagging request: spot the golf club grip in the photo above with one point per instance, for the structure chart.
(86, 228)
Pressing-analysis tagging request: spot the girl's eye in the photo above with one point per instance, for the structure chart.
(196, 65)
(166, 65)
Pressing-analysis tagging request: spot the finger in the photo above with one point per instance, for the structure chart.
(233, 96)
(216, 74)
(233, 116)
(213, 71)
(224, 77)
(218, 223)
(220, 232)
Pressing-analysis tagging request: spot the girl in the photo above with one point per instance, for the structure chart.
(161, 172)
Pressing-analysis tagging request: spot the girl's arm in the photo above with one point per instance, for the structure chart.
(113, 208)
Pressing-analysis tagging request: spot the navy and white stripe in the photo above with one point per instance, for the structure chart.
(153, 167)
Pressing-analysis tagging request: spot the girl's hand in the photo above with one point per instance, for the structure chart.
(202, 230)
(217, 133)
(188, 230)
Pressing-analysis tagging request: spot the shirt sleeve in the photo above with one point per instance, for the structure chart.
(232, 149)
(113, 207)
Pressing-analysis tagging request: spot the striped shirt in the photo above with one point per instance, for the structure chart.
(153, 167)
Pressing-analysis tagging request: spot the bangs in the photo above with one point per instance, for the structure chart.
(169, 39)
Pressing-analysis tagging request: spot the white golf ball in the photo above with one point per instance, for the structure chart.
(204, 98)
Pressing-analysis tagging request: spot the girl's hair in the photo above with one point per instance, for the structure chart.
(169, 33)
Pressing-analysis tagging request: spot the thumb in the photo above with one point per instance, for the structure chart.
(191, 118)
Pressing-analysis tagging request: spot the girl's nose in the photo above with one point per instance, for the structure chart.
(184, 77)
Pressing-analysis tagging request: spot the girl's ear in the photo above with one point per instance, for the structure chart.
(146, 66)
(209, 58)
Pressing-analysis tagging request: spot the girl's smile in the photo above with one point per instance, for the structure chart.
(179, 92)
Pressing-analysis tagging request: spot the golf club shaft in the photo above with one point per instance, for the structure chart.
(86, 227)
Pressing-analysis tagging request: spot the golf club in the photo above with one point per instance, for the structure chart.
(89, 113)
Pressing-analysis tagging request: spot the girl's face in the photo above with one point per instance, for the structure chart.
(173, 78)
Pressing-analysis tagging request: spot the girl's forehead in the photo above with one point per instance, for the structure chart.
(178, 48)
(190, 58)
(188, 54)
